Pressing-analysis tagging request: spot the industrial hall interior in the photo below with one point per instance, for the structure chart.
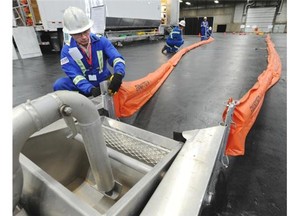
(147, 108)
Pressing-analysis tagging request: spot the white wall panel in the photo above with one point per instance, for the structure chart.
(27, 42)
(261, 18)
(135, 9)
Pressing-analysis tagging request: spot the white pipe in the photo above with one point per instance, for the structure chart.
(280, 7)
(34, 115)
(247, 6)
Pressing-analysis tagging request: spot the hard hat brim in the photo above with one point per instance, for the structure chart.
(77, 31)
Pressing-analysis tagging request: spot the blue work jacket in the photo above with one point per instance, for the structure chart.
(204, 27)
(175, 37)
(84, 75)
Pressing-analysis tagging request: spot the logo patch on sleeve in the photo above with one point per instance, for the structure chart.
(64, 60)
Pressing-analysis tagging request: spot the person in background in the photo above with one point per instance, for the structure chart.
(175, 39)
(204, 28)
(84, 59)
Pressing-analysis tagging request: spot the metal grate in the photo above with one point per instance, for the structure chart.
(138, 149)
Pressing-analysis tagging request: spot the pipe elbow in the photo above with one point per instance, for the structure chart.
(83, 109)
(34, 115)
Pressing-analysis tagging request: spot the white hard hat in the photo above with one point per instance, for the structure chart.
(75, 21)
(205, 18)
(182, 23)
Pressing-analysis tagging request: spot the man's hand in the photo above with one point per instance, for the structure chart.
(115, 83)
(95, 91)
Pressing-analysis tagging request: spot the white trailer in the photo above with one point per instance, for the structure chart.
(118, 20)
(118, 14)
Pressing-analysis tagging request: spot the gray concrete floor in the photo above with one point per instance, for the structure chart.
(194, 97)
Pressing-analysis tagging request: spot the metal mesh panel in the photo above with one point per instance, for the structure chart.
(138, 149)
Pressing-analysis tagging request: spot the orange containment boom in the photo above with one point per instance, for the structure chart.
(133, 95)
(248, 107)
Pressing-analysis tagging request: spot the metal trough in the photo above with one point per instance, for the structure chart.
(57, 176)
(69, 165)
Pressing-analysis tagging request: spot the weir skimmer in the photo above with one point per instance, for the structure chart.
(69, 160)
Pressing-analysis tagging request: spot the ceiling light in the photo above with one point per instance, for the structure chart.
(216, 1)
(187, 3)
(180, 1)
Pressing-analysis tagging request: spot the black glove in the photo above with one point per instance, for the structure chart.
(95, 91)
(116, 81)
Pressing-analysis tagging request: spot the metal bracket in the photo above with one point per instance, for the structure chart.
(116, 191)
(228, 122)
(107, 100)
(66, 113)
(222, 159)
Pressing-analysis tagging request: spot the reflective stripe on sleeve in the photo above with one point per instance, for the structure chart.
(117, 60)
(171, 35)
(78, 78)
(100, 60)
(81, 65)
